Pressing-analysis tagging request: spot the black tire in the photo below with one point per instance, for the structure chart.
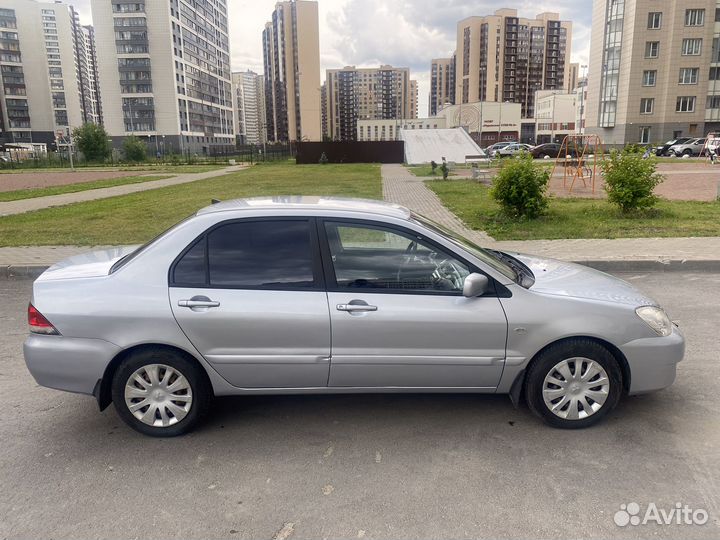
(546, 361)
(200, 390)
(687, 153)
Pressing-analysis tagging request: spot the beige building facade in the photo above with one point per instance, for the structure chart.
(355, 94)
(487, 122)
(442, 84)
(503, 57)
(291, 56)
(249, 107)
(164, 70)
(654, 71)
(555, 115)
(43, 71)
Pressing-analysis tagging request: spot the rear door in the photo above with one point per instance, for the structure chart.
(249, 295)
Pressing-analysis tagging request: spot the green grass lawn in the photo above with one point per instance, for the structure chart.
(135, 218)
(578, 218)
(139, 167)
(74, 188)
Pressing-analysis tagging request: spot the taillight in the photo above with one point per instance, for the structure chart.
(38, 323)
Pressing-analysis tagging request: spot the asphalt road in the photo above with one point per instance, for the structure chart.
(390, 467)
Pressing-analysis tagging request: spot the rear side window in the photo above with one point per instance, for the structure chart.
(251, 254)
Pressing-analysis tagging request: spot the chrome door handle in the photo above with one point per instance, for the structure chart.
(352, 308)
(197, 303)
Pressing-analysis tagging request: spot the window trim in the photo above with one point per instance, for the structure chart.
(495, 289)
(317, 267)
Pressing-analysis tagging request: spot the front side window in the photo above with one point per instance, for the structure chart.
(376, 258)
(251, 255)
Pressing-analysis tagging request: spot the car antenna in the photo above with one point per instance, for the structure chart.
(214, 201)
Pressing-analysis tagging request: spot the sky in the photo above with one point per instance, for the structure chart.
(402, 33)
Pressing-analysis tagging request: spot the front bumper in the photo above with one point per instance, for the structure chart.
(70, 364)
(653, 361)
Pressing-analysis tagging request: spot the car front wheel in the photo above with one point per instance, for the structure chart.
(160, 393)
(574, 384)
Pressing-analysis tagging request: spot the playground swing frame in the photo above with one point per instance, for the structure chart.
(574, 168)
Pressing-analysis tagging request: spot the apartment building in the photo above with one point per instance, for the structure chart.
(91, 97)
(249, 96)
(503, 57)
(291, 56)
(555, 115)
(44, 71)
(573, 76)
(383, 93)
(164, 70)
(442, 84)
(654, 71)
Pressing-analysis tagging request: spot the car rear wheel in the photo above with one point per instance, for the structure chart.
(574, 384)
(160, 393)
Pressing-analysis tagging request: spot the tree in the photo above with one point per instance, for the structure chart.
(92, 141)
(134, 149)
(630, 179)
(520, 186)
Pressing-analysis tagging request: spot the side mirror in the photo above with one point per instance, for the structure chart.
(475, 285)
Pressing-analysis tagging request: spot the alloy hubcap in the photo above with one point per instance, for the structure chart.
(576, 388)
(158, 395)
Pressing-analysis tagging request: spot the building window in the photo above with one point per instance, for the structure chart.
(713, 102)
(689, 75)
(714, 74)
(685, 104)
(647, 105)
(645, 134)
(649, 77)
(694, 17)
(652, 49)
(691, 47)
(654, 20)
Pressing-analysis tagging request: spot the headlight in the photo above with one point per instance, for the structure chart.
(655, 318)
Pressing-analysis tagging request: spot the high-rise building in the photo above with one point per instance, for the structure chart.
(413, 98)
(93, 104)
(384, 93)
(44, 71)
(654, 72)
(249, 95)
(323, 108)
(164, 70)
(573, 76)
(442, 84)
(503, 57)
(291, 55)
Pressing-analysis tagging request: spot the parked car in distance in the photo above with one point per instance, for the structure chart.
(663, 149)
(513, 149)
(693, 147)
(493, 148)
(316, 295)
(546, 150)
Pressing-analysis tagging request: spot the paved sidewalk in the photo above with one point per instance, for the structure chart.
(39, 203)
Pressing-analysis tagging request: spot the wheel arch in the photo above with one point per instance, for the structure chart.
(103, 388)
(518, 385)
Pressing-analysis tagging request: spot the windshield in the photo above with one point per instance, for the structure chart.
(486, 256)
(130, 256)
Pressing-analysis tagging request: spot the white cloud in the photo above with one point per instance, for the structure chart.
(404, 33)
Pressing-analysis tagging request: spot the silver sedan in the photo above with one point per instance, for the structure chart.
(309, 295)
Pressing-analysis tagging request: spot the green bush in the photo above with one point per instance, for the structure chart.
(92, 141)
(630, 180)
(134, 149)
(520, 185)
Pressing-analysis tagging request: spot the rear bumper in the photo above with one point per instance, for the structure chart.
(70, 364)
(653, 361)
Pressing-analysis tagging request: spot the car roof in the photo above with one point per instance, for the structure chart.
(309, 205)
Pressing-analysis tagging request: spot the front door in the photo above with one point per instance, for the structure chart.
(249, 296)
(398, 315)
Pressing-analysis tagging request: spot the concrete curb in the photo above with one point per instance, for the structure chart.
(641, 265)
